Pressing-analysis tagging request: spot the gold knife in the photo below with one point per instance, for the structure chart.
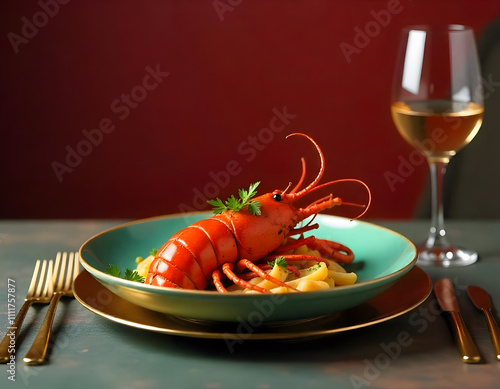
(481, 299)
(445, 294)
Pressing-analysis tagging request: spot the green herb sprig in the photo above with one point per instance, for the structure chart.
(234, 204)
(280, 261)
(129, 274)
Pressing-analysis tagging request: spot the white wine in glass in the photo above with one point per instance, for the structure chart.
(437, 107)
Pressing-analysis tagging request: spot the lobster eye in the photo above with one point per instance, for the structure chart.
(277, 197)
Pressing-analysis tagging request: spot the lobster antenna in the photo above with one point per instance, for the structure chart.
(321, 170)
(303, 175)
(345, 203)
(288, 187)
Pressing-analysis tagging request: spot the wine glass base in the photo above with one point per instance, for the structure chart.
(445, 256)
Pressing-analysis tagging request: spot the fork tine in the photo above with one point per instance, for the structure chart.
(76, 269)
(62, 273)
(56, 268)
(69, 274)
(49, 283)
(31, 289)
(41, 279)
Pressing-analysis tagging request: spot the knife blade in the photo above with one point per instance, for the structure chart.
(445, 294)
(481, 299)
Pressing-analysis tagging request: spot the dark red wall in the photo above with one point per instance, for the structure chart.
(223, 70)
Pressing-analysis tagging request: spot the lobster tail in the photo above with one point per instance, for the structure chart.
(190, 256)
(186, 274)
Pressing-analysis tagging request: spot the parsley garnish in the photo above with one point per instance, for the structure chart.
(234, 204)
(112, 270)
(280, 261)
(130, 275)
(254, 208)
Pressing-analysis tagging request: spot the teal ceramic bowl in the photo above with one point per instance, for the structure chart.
(382, 256)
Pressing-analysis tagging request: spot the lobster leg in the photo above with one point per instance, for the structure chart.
(293, 244)
(297, 257)
(250, 275)
(245, 263)
(298, 231)
(216, 277)
(289, 268)
(333, 250)
(227, 268)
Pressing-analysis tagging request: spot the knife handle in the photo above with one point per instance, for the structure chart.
(466, 345)
(494, 332)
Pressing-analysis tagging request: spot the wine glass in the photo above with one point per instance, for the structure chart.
(437, 107)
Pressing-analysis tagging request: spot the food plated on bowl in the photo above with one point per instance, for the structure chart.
(382, 256)
(248, 234)
(254, 252)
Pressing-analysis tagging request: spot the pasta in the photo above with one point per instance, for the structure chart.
(312, 275)
(143, 265)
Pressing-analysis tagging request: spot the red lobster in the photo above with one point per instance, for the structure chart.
(233, 241)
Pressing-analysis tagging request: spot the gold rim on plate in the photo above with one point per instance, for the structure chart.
(407, 293)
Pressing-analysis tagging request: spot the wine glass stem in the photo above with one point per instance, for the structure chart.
(437, 233)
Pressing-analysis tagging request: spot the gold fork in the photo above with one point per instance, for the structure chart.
(42, 278)
(65, 272)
